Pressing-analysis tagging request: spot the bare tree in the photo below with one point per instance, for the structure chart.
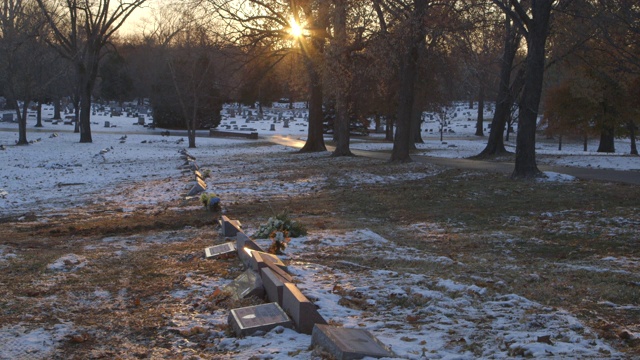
(81, 30)
(285, 27)
(533, 18)
(25, 61)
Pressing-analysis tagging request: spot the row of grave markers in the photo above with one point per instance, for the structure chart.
(267, 277)
(190, 165)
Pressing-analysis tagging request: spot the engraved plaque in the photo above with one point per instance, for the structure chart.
(219, 250)
(246, 321)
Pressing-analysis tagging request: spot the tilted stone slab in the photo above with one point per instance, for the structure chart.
(248, 320)
(273, 285)
(302, 311)
(220, 250)
(261, 259)
(284, 275)
(230, 228)
(348, 344)
(199, 187)
(245, 246)
(248, 284)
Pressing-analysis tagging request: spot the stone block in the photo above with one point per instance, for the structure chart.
(248, 284)
(273, 285)
(220, 250)
(248, 320)
(302, 311)
(347, 344)
(199, 187)
(261, 259)
(230, 228)
(243, 242)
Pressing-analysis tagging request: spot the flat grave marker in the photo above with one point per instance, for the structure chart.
(246, 285)
(347, 344)
(220, 250)
(248, 320)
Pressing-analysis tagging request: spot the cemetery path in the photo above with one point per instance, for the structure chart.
(628, 177)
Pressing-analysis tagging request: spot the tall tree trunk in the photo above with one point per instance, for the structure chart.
(378, 123)
(607, 144)
(560, 142)
(632, 136)
(22, 122)
(39, 114)
(56, 109)
(76, 113)
(416, 127)
(480, 119)
(406, 92)
(525, 166)
(389, 128)
(85, 115)
(315, 136)
(504, 101)
(191, 124)
(342, 80)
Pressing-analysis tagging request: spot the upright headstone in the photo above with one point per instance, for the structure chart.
(251, 319)
(347, 344)
(230, 228)
(302, 311)
(273, 127)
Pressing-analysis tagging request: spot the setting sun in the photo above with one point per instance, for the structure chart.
(295, 28)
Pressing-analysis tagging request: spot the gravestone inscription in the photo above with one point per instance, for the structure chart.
(248, 320)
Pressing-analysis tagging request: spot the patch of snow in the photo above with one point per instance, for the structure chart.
(550, 176)
(68, 263)
(22, 341)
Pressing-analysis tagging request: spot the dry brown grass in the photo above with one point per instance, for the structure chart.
(544, 241)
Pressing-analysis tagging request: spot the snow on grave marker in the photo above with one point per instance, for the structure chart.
(346, 344)
(251, 319)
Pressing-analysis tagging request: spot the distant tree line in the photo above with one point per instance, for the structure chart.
(574, 64)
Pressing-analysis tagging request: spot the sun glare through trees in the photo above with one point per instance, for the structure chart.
(296, 30)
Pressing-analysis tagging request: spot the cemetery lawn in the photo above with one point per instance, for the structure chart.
(129, 284)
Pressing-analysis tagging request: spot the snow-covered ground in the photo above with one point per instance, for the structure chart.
(57, 162)
(422, 317)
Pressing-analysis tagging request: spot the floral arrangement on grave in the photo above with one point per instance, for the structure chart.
(280, 229)
(211, 201)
